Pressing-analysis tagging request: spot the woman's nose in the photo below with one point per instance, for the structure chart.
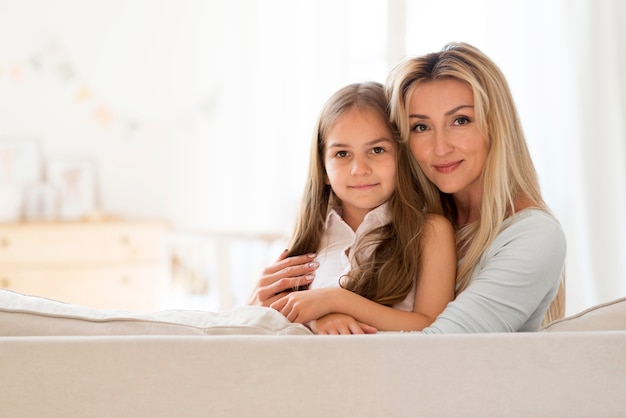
(442, 145)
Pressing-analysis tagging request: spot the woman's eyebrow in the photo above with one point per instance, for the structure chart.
(448, 113)
(456, 109)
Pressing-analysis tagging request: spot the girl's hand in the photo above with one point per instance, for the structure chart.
(340, 324)
(306, 305)
(283, 276)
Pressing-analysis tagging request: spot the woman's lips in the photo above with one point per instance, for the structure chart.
(447, 167)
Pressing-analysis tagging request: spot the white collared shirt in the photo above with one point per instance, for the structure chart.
(335, 257)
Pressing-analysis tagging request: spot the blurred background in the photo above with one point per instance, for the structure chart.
(195, 117)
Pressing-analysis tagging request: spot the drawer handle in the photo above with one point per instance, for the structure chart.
(5, 283)
(4, 242)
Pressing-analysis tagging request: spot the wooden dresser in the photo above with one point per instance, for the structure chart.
(105, 265)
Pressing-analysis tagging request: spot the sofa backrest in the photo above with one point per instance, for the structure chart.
(610, 316)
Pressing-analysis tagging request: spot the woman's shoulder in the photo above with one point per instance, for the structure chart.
(535, 226)
(532, 216)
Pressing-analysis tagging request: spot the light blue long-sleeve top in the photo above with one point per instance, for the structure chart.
(514, 282)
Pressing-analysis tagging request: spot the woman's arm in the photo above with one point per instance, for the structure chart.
(515, 281)
(434, 289)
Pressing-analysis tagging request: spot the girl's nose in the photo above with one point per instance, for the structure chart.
(360, 167)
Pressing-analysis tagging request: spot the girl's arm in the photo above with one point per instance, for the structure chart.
(434, 289)
(339, 324)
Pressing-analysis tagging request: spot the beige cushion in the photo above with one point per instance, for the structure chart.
(23, 315)
(608, 316)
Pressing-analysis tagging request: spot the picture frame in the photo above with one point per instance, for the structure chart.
(75, 181)
(20, 165)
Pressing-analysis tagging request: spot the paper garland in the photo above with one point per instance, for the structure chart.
(51, 60)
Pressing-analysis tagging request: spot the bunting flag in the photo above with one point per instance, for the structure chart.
(52, 61)
(83, 94)
(16, 72)
(102, 115)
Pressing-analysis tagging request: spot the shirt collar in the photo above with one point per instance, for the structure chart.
(378, 216)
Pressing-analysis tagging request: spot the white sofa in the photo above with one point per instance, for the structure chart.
(60, 360)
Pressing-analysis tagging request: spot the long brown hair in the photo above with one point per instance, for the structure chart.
(387, 258)
(509, 172)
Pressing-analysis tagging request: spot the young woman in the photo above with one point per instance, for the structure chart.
(456, 112)
(382, 264)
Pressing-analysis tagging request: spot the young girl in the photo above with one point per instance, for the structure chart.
(382, 262)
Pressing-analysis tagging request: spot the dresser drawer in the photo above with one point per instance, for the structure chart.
(131, 287)
(81, 242)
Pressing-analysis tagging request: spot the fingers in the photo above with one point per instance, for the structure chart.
(354, 328)
(291, 308)
(339, 324)
(292, 266)
(286, 274)
(268, 302)
(367, 329)
(290, 283)
(279, 303)
(265, 295)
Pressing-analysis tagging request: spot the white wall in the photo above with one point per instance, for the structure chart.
(200, 112)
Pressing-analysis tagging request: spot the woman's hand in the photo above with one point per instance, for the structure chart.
(306, 305)
(340, 324)
(279, 279)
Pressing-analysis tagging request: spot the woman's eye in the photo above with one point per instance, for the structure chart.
(462, 120)
(418, 127)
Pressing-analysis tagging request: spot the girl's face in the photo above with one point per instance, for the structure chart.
(360, 160)
(445, 138)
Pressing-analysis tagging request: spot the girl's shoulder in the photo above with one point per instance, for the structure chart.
(436, 219)
(438, 224)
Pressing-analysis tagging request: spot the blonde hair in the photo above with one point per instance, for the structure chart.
(509, 172)
(387, 258)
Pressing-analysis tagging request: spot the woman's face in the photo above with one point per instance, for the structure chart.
(360, 159)
(445, 138)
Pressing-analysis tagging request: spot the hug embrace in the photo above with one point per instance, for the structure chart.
(422, 210)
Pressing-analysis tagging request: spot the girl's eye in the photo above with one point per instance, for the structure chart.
(462, 120)
(418, 127)
(378, 150)
(341, 154)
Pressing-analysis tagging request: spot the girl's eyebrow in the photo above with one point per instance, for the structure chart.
(336, 145)
(378, 141)
(369, 143)
(448, 113)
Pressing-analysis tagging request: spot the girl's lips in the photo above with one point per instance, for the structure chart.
(363, 186)
(447, 167)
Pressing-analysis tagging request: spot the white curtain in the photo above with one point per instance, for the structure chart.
(597, 206)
